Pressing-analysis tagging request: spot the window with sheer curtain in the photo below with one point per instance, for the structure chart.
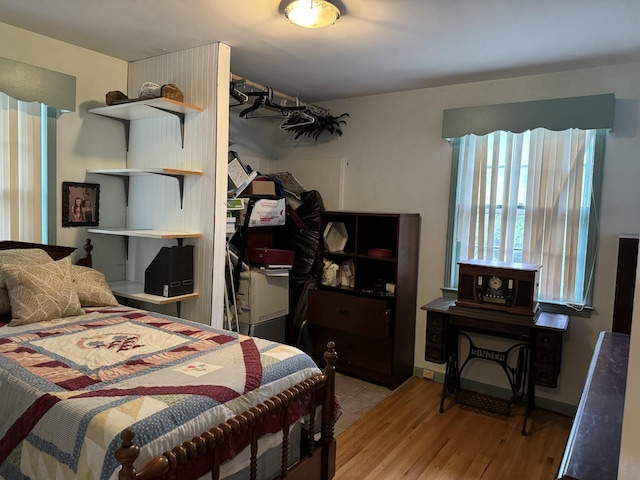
(23, 172)
(530, 197)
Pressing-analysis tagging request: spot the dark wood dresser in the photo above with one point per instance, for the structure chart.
(593, 448)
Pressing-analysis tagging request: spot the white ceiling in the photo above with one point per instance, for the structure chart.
(376, 46)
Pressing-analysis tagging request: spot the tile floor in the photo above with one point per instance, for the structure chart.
(356, 398)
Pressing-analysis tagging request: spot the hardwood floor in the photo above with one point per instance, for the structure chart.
(406, 437)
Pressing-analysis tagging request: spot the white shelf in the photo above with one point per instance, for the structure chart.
(135, 291)
(140, 109)
(125, 173)
(128, 172)
(146, 233)
(149, 108)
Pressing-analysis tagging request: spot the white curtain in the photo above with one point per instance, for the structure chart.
(21, 174)
(525, 197)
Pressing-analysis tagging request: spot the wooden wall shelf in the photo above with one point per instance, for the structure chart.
(125, 173)
(149, 108)
(141, 232)
(135, 291)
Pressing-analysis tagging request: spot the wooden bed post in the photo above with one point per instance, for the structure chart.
(328, 407)
(328, 463)
(126, 455)
(87, 260)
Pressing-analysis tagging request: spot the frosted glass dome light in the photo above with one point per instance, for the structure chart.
(312, 13)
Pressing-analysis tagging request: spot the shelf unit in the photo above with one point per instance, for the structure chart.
(147, 108)
(373, 325)
(125, 173)
(125, 113)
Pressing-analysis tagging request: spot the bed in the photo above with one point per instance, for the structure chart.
(112, 391)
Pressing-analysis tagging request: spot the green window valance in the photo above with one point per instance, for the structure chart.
(588, 112)
(29, 83)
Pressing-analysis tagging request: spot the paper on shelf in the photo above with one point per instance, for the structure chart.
(239, 177)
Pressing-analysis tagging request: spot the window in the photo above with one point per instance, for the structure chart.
(529, 197)
(31, 100)
(23, 170)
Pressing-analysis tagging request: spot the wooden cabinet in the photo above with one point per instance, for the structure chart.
(435, 349)
(547, 350)
(625, 283)
(372, 318)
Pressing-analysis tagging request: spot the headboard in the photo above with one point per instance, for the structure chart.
(55, 251)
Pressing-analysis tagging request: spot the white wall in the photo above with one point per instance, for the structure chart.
(81, 144)
(397, 162)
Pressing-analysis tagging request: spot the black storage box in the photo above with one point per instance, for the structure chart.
(171, 272)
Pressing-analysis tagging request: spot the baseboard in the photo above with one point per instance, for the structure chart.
(498, 392)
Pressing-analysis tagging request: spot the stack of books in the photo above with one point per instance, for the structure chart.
(231, 225)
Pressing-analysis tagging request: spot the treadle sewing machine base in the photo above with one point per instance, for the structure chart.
(537, 350)
(485, 404)
(517, 375)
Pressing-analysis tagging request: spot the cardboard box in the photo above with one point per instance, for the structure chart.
(260, 187)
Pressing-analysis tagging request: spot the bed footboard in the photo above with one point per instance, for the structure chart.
(317, 458)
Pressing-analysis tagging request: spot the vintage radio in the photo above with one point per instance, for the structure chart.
(509, 287)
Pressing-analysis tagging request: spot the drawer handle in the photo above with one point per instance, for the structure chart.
(343, 312)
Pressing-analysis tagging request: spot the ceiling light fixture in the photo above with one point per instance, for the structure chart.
(312, 13)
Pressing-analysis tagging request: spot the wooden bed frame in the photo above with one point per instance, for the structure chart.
(317, 457)
(55, 251)
(317, 454)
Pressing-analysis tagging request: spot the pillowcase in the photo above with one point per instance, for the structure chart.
(91, 287)
(41, 292)
(18, 256)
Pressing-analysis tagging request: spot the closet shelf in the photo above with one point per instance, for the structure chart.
(135, 291)
(148, 108)
(125, 173)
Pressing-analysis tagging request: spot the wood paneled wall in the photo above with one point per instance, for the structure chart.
(202, 73)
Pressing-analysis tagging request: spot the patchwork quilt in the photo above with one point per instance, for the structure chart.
(68, 387)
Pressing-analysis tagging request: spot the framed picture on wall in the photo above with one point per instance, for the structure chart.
(80, 204)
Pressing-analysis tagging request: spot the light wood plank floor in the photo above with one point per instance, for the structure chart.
(406, 437)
